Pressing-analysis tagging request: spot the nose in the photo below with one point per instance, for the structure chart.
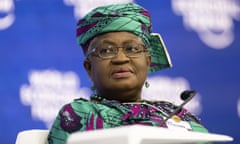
(120, 57)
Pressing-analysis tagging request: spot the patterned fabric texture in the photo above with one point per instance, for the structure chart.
(84, 115)
(128, 17)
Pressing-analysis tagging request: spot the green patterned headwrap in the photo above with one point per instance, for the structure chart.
(128, 17)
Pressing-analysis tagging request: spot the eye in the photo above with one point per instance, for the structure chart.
(133, 49)
(106, 51)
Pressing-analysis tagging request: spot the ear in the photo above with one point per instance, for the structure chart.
(148, 59)
(88, 67)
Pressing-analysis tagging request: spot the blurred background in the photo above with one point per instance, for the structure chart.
(41, 63)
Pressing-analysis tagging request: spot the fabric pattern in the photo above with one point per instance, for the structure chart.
(84, 115)
(128, 17)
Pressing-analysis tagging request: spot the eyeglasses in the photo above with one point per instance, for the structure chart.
(110, 51)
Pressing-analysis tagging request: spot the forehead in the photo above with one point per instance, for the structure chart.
(116, 38)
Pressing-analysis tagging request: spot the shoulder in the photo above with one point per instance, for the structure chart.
(163, 104)
(79, 105)
(170, 107)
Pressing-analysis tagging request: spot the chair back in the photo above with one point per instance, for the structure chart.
(34, 136)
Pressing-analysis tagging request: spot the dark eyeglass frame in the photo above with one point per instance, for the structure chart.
(141, 48)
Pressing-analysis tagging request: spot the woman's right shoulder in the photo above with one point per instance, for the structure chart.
(79, 104)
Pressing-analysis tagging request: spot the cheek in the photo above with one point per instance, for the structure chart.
(142, 66)
(99, 72)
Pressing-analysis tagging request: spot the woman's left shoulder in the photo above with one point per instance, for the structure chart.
(183, 112)
(163, 104)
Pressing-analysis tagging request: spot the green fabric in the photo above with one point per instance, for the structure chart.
(84, 115)
(128, 17)
(123, 17)
(160, 58)
(197, 127)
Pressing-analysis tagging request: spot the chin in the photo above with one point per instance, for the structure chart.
(123, 87)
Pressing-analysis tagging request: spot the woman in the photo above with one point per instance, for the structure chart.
(120, 50)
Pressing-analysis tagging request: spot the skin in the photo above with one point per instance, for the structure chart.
(120, 78)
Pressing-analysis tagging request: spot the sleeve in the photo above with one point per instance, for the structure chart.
(57, 135)
(198, 127)
(195, 123)
(193, 120)
(71, 118)
(185, 115)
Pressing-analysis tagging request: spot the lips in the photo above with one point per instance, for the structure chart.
(121, 72)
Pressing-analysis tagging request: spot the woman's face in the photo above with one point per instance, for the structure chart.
(121, 77)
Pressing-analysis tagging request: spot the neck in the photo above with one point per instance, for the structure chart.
(120, 96)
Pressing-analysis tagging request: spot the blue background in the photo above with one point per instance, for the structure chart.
(43, 37)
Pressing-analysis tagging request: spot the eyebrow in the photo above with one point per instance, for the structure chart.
(113, 42)
(108, 41)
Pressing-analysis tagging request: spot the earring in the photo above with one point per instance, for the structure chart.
(146, 84)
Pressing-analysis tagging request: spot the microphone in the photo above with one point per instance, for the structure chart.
(186, 96)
